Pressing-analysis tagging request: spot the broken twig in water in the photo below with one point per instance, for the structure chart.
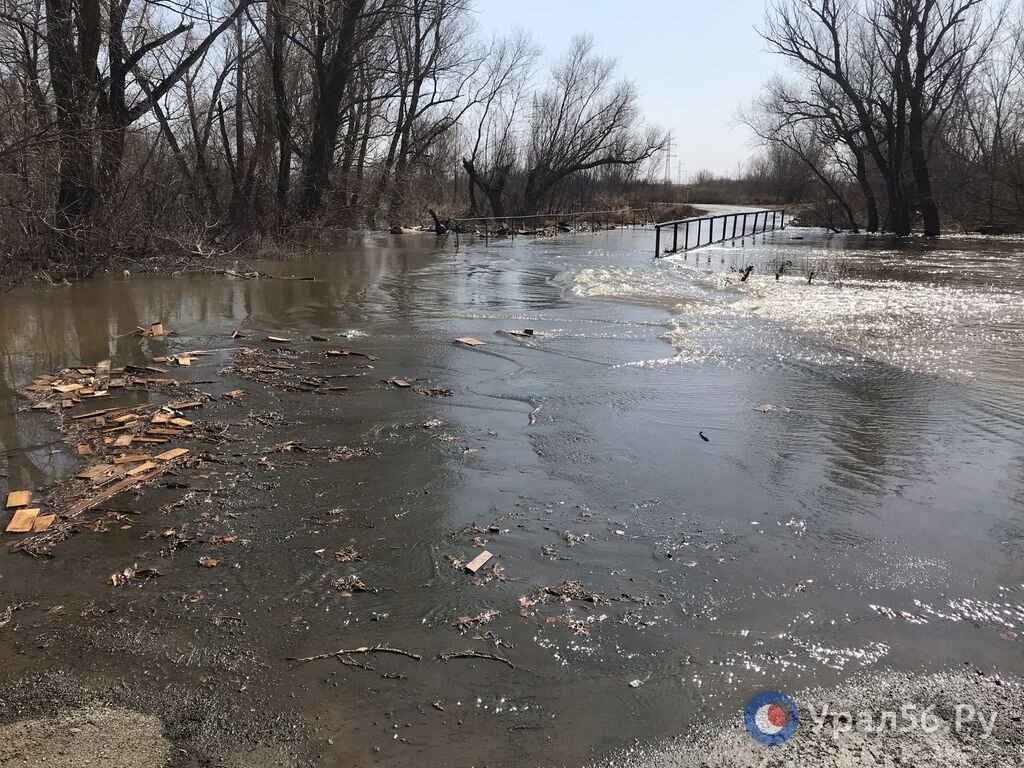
(474, 655)
(379, 648)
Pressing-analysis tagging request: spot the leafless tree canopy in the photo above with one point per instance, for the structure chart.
(141, 126)
(899, 109)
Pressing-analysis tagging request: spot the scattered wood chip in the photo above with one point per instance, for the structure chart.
(478, 562)
(18, 499)
(23, 520)
(84, 450)
(235, 394)
(400, 383)
(208, 562)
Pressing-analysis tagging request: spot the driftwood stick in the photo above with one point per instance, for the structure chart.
(474, 655)
(379, 648)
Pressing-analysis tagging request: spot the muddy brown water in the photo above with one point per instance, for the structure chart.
(873, 520)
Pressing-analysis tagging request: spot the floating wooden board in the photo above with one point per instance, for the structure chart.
(96, 470)
(18, 499)
(66, 389)
(42, 522)
(134, 458)
(172, 454)
(186, 406)
(23, 520)
(279, 339)
(185, 361)
(92, 414)
(401, 383)
(469, 341)
(478, 562)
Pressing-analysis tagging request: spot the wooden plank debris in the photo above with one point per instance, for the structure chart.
(183, 423)
(134, 458)
(478, 562)
(84, 449)
(123, 441)
(42, 522)
(469, 341)
(400, 383)
(142, 468)
(279, 339)
(23, 520)
(93, 414)
(96, 470)
(163, 432)
(18, 499)
(172, 454)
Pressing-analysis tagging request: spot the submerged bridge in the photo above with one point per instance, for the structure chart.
(708, 230)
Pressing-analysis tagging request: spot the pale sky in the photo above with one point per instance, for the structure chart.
(695, 62)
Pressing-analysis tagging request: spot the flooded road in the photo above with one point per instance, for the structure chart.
(857, 504)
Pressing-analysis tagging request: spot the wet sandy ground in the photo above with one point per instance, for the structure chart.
(871, 523)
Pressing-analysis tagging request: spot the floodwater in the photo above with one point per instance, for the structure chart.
(871, 520)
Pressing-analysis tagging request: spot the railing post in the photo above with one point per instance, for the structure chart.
(735, 219)
(657, 241)
(686, 237)
(783, 217)
(745, 225)
(675, 237)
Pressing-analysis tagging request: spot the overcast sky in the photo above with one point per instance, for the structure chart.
(695, 62)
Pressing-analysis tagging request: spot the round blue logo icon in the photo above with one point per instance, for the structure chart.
(771, 718)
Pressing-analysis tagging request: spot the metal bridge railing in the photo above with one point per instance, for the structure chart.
(708, 230)
(494, 227)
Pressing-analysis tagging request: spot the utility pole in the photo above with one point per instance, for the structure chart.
(668, 162)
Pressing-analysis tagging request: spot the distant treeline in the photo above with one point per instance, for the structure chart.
(898, 115)
(133, 127)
